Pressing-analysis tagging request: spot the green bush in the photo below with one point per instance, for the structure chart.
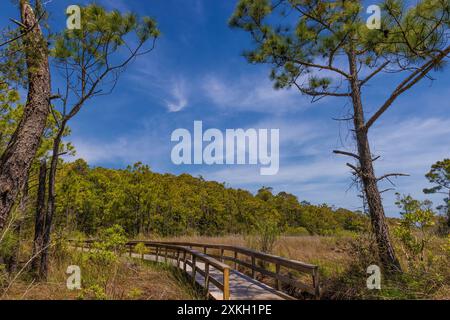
(296, 231)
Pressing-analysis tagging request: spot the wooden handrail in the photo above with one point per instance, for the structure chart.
(217, 261)
(312, 270)
(195, 256)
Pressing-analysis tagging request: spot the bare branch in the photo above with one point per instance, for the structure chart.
(392, 175)
(357, 171)
(379, 69)
(345, 153)
(406, 84)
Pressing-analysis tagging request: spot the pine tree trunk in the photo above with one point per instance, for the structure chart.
(40, 217)
(367, 175)
(448, 210)
(51, 204)
(21, 150)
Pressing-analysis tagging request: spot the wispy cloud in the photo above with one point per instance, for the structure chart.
(407, 146)
(150, 143)
(179, 97)
(250, 93)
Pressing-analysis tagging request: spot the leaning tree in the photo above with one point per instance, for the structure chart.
(327, 49)
(90, 61)
(17, 158)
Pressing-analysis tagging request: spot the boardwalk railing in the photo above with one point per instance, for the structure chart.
(286, 271)
(184, 256)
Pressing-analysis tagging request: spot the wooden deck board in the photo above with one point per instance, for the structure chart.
(242, 287)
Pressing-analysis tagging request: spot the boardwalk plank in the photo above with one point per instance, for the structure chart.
(242, 287)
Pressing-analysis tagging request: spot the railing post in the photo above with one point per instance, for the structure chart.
(184, 260)
(278, 282)
(194, 267)
(235, 259)
(165, 255)
(178, 258)
(207, 277)
(157, 254)
(131, 250)
(226, 284)
(316, 283)
(221, 254)
(253, 268)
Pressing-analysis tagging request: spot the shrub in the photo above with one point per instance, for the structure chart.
(296, 231)
(141, 249)
(414, 229)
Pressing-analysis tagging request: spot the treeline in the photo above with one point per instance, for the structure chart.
(153, 204)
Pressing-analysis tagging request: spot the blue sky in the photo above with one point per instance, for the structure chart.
(197, 72)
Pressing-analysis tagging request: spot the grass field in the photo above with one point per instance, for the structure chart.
(343, 261)
(124, 279)
(342, 264)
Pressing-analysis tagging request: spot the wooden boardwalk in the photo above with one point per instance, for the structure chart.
(242, 287)
(217, 268)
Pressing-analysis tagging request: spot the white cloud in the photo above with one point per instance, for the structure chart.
(251, 93)
(409, 146)
(179, 97)
(150, 145)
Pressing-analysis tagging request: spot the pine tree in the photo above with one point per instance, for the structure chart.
(325, 49)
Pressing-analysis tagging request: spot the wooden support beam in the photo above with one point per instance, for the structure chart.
(278, 282)
(226, 284)
(253, 267)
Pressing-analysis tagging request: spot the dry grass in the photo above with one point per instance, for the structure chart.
(309, 249)
(342, 265)
(135, 280)
(342, 272)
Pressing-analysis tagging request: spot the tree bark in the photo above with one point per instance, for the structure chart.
(51, 204)
(21, 150)
(39, 218)
(448, 210)
(367, 175)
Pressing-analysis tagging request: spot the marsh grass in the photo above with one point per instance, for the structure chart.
(126, 279)
(343, 262)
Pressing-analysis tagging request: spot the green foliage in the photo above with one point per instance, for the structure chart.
(417, 217)
(144, 202)
(296, 231)
(101, 36)
(439, 175)
(293, 35)
(10, 113)
(141, 249)
(267, 231)
(8, 243)
(93, 292)
(110, 246)
(101, 264)
(102, 29)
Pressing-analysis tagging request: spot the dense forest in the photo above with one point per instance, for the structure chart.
(149, 203)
